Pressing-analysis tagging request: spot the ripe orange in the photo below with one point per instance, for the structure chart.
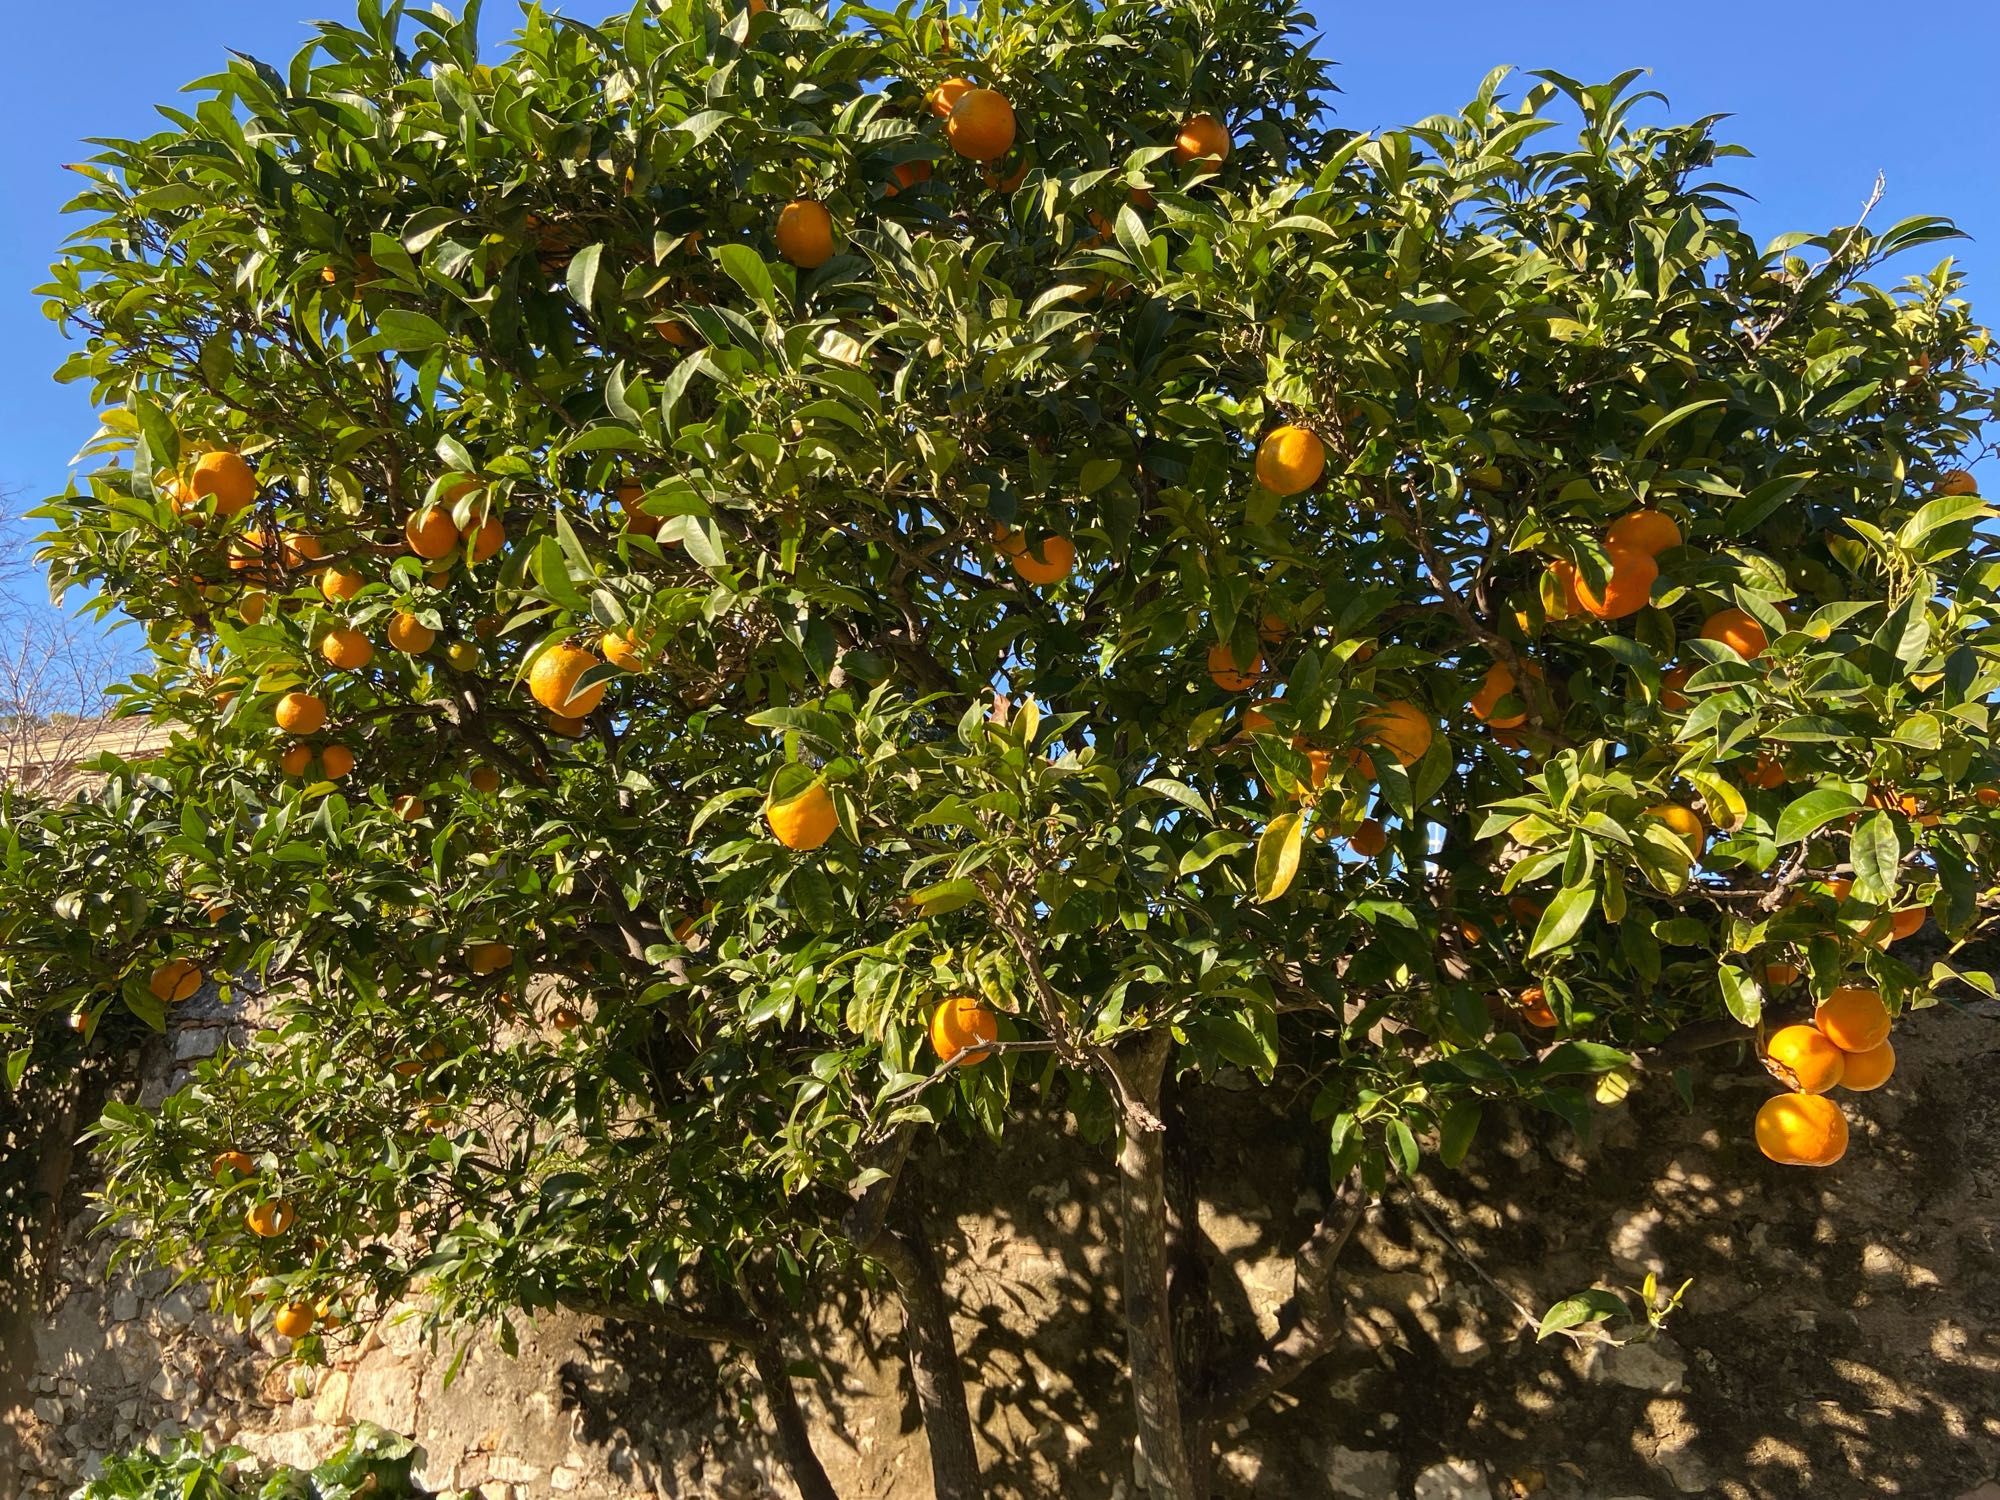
(1866, 1071)
(1988, 796)
(1202, 138)
(1006, 182)
(1854, 1019)
(302, 547)
(631, 496)
(1524, 912)
(484, 779)
(430, 532)
(1319, 766)
(224, 475)
(339, 584)
(805, 820)
(680, 334)
(1802, 1130)
(251, 610)
(981, 126)
(175, 980)
(1905, 923)
(409, 808)
(1560, 597)
(1369, 838)
(270, 1219)
(336, 761)
(1399, 727)
(1738, 630)
(296, 760)
(1649, 531)
(1045, 562)
(1498, 683)
(1814, 1062)
(1627, 591)
(565, 1018)
(232, 1164)
(1769, 772)
(621, 648)
(482, 538)
(1957, 482)
(346, 648)
(907, 174)
(943, 99)
(959, 1022)
(805, 233)
(1224, 672)
(409, 634)
(294, 1319)
(1779, 975)
(1672, 699)
(1290, 460)
(1535, 1008)
(554, 677)
(1684, 821)
(489, 958)
(564, 725)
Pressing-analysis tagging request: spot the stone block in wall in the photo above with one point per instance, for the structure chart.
(383, 1390)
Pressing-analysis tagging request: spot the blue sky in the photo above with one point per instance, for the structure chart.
(1826, 96)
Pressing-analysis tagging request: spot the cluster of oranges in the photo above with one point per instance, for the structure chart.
(1846, 1046)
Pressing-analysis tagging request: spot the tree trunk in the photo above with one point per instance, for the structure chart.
(934, 1370)
(794, 1441)
(1149, 1325)
(1190, 1292)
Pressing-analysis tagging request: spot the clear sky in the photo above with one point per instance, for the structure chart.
(1826, 95)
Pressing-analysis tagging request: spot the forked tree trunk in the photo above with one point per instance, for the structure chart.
(934, 1369)
(795, 1447)
(1164, 1469)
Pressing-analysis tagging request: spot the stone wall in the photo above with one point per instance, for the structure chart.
(1841, 1339)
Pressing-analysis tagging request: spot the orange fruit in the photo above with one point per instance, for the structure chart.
(296, 760)
(1769, 772)
(960, 1022)
(1535, 1008)
(175, 980)
(1006, 182)
(1779, 975)
(409, 808)
(482, 538)
(1045, 562)
(1563, 600)
(1525, 912)
(907, 174)
(981, 126)
(430, 532)
(564, 725)
(336, 761)
(1684, 821)
(943, 98)
(1202, 138)
(1814, 1063)
(621, 648)
(1866, 1071)
(1957, 482)
(554, 677)
(1802, 1130)
(631, 496)
(463, 655)
(346, 648)
(302, 547)
(1853, 1018)
(1399, 727)
(251, 610)
(270, 1219)
(1227, 675)
(1914, 809)
(224, 476)
(1738, 630)
(409, 634)
(489, 958)
(805, 233)
(565, 1018)
(1319, 766)
(805, 820)
(1498, 683)
(1988, 796)
(1649, 531)
(294, 1319)
(1672, 699)
(484, 779)
(1627, 591)
(1369, 838)
(1290, 460)
(232, 1164)
(680, 334)
(1905, 923)
(339, 584)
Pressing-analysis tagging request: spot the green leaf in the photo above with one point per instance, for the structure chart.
(1460, 1125)
(1811, 812)
(1742, 994)
(1212, 847)
(1278, 856)
(17, 1065)
(1593, 1306)
(1876, 852)
(748, 270)
(399, 329)
(1178, 791)
(946, 895)
(1563, 919)
(584, 277)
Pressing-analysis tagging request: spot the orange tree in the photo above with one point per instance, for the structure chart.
(741, 587)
